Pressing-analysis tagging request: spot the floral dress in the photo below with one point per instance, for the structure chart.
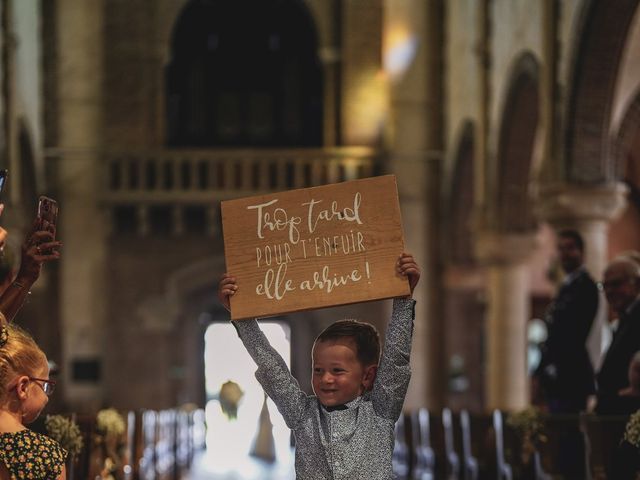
(30, 455)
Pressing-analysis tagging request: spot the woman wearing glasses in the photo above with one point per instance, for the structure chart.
(24, 391)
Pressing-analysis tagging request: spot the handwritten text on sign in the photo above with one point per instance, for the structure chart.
(314, 247)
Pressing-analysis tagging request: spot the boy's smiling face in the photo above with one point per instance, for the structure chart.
(338, 376)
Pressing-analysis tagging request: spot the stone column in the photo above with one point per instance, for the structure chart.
(589, 210)
(506, 379)
(416, 154)
(82, 228)
(10, 96)
(417, 177)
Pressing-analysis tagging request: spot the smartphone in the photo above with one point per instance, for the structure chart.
(48, 211)
(3, 178)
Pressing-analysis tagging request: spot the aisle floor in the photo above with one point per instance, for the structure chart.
(207, 466)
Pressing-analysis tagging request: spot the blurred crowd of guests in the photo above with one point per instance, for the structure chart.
(565, 381)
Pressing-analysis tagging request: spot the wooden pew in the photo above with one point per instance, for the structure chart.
(470, 467)
(452, 458)
(199, 429)
(563, 452)
(503, 468)
(184, 441)
(135, 435)
(492, 450)
(165, 445)
(81, 467)
(602, 436)
(147, 461)
(401, 457)
(424, 463)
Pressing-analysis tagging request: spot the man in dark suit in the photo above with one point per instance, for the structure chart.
(621, 284)
(565, 373)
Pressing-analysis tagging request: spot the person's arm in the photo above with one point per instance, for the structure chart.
(394, 370)
(38, 248)
(63, 474)
(273, 373)
(3, 240)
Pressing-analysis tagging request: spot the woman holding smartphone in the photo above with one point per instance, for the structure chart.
(39, 247)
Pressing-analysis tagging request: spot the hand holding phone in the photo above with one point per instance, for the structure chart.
(3, 178)
(47, 214)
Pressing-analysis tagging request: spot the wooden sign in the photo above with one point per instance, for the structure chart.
(314, 247)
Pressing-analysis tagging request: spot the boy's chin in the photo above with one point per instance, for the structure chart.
(333, 402)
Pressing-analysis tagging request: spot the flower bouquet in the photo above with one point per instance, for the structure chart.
(109, 444)
(66, 432)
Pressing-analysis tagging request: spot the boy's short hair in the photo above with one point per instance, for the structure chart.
(364, 335)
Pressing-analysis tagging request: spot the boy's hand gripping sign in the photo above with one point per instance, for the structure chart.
(314, 247)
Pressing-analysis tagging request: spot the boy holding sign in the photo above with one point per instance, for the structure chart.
(345, 430)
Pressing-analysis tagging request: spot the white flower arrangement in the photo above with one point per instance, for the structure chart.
(66, 432)
(632, 430)
(110, 422)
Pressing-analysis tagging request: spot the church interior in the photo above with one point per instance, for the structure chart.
(504, 122)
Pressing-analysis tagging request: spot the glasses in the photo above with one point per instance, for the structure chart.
(48, 386)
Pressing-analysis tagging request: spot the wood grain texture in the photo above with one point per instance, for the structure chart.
(314, 247)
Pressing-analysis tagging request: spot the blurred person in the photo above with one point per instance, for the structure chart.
(625, 463)
(612, 320)
(621, 285)
(632, 393)
(565, 374)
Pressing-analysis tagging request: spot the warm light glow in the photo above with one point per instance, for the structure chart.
(400, 47)
(367, 107)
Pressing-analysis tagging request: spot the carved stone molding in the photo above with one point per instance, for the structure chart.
(564, 205)
(500, 248)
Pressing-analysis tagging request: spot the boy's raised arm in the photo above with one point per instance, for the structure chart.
(394, 371)
(273, 373)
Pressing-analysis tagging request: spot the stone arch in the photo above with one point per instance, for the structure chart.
(459, 199)
(624, 232)
(512, 209)
(188, 305)
(601, 37)
(239, 79)
(184, 309)
(626, 144)
(172, 12)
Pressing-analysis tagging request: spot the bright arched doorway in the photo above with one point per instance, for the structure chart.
(231, 442)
